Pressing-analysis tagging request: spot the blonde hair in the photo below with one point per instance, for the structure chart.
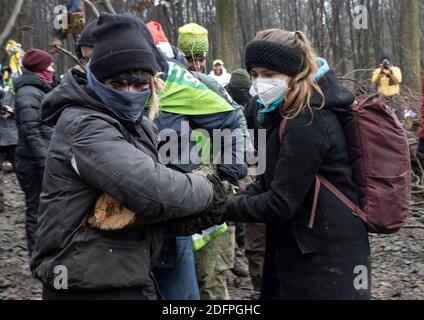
(156, 85)
(302, 86)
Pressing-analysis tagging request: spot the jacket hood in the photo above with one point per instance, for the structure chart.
(69, 93)
(29, 78)
(336, 96)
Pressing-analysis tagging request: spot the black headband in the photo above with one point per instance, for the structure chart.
(274, 56)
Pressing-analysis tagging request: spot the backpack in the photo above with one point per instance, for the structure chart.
(381, 164)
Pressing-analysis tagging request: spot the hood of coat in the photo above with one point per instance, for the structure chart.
(336, 96)
(71, 92)
(29, 78)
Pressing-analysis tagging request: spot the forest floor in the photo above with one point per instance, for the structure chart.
(398, 260)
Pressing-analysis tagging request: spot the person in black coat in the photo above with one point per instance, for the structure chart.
(305, 258)
(33, 134)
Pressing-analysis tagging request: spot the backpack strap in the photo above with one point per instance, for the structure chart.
(320, 180)
(282, 128)
(355, 209)
(314, 203)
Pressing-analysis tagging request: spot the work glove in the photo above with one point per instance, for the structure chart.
(219, 197)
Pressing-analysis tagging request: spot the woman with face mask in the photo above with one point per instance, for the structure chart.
(321, 256)
(102, 145)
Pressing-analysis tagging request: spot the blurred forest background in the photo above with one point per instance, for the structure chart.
(393, 26)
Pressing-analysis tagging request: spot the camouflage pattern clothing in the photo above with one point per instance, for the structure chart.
(212, 261)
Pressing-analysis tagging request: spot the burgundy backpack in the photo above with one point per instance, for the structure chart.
(381, 164)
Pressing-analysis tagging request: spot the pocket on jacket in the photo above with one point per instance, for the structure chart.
(100, 263)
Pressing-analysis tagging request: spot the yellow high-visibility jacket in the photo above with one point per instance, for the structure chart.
(388, 82)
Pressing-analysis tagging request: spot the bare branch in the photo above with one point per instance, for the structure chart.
(109, 6)
(93, 8)
(69, 54)
(11, 23)
(357, 70)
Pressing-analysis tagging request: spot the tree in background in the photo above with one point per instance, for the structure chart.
(411, 43)
(226, 35)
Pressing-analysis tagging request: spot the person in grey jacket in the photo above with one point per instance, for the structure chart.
(8, 136)
(103, 144)
(8, 130)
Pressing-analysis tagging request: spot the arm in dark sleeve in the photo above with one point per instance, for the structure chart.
(27, 110)
(300, 156)
(107, 162)
(225, 121)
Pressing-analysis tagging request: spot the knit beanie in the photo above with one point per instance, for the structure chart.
(274, 56)
(193, 40)
(37, 60)
(240, 79)
(120, 47)
(87, 39)
(385, 56)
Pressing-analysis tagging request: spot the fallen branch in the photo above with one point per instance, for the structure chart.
(357, 70)
(417, 204)
(421, 167)
(355, 81)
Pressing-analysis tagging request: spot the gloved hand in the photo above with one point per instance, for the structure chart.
(219, 198)
(208, 218)
(188, 226)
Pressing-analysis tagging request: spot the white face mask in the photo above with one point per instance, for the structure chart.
(270, 89)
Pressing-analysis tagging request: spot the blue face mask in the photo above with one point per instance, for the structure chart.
(126, 105)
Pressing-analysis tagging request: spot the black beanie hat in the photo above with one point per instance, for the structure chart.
(274, 56)
(120, 48)
(385, 56)
(87, 39)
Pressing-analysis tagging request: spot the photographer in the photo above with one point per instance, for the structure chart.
(388, 79)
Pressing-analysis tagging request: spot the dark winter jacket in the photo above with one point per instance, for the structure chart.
(34, 134)
(301, 263)
(92, 152)
(8, 129)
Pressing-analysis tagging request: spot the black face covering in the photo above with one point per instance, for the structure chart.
(241, 96)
